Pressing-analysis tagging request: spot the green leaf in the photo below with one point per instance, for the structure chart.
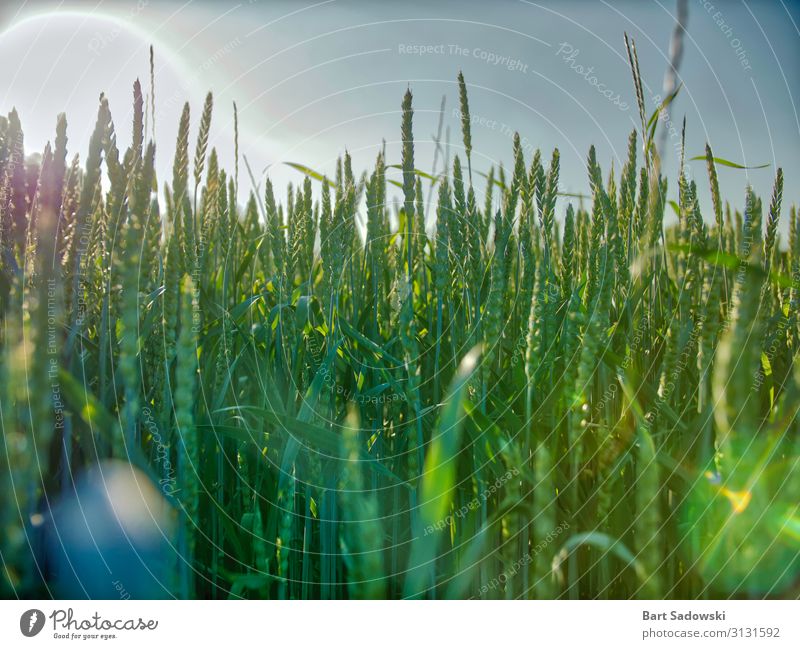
(440, 461)
(605, 543)
(316, 175)
(494, 180)
(652, 123)
(372, 346)
(417, 172)
(732, 262)
(728, 163)
(438, 479)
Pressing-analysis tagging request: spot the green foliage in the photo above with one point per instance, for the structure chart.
(309, 403)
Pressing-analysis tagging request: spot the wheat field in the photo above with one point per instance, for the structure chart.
(461, 385)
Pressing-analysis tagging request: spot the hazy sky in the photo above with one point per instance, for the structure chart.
(313, 78)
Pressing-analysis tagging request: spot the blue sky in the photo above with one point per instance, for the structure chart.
(313, 78)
